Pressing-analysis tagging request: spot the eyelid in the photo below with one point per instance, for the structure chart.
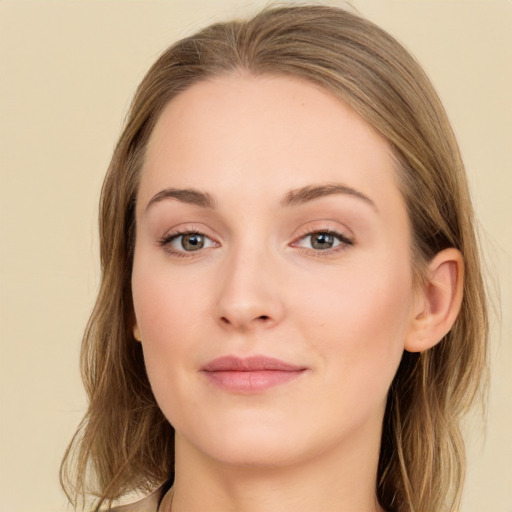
(337, 234)
(325, 226)
(311, 229)
(303, 232)
(173, 234)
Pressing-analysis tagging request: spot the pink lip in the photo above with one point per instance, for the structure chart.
(250, 375)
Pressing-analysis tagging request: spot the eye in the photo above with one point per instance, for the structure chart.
(187, 242)
(323, 240)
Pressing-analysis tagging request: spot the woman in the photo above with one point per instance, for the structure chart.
(291, 314)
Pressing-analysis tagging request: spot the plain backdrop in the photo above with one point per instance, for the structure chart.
(67, 72)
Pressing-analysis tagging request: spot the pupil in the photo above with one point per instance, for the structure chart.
(323, 241)
(192, 242)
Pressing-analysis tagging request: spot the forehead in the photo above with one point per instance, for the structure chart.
(264, 133)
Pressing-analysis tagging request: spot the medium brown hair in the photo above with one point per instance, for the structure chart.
(124, 442)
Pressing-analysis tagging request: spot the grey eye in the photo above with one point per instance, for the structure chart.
(323, 241)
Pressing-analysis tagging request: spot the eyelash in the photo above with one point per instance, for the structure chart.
(166, 240)
(345, 241)
(342, 238)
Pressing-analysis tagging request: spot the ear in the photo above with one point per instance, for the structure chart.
(136, 332)
(438, 302)
(135, 326)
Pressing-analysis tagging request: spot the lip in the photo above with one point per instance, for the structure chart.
(250, 375)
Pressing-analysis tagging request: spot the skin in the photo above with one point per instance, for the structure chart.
(259, 287)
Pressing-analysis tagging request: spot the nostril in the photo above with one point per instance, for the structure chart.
(241, 323)
(225, 320)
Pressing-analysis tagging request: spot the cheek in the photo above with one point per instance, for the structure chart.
(359, 322)
(169, 314)
(165, 301)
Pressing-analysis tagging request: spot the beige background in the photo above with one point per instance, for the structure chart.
(68, 70)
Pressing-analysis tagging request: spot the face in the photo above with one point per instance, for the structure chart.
(272, 278)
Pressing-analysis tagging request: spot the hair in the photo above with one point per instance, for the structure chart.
(124, 442)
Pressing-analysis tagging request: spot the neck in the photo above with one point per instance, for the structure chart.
(342, 479)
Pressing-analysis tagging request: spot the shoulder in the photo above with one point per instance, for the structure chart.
(147, 504)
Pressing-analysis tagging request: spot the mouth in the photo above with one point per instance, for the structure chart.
(250, 375)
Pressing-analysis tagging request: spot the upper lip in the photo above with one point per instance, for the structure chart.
(249, 364)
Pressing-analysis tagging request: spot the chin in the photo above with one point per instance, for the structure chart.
(251, 445)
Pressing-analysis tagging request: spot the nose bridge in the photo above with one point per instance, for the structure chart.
(249, 292)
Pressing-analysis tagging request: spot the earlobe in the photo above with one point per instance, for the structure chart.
(136, 332)
(438, 303)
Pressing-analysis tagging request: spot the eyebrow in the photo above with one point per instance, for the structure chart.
(292, 198)
(184, 195)
(309, 193)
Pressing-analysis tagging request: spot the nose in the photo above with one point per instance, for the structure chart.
(250, 292)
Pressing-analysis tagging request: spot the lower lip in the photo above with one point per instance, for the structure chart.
(251, 381)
